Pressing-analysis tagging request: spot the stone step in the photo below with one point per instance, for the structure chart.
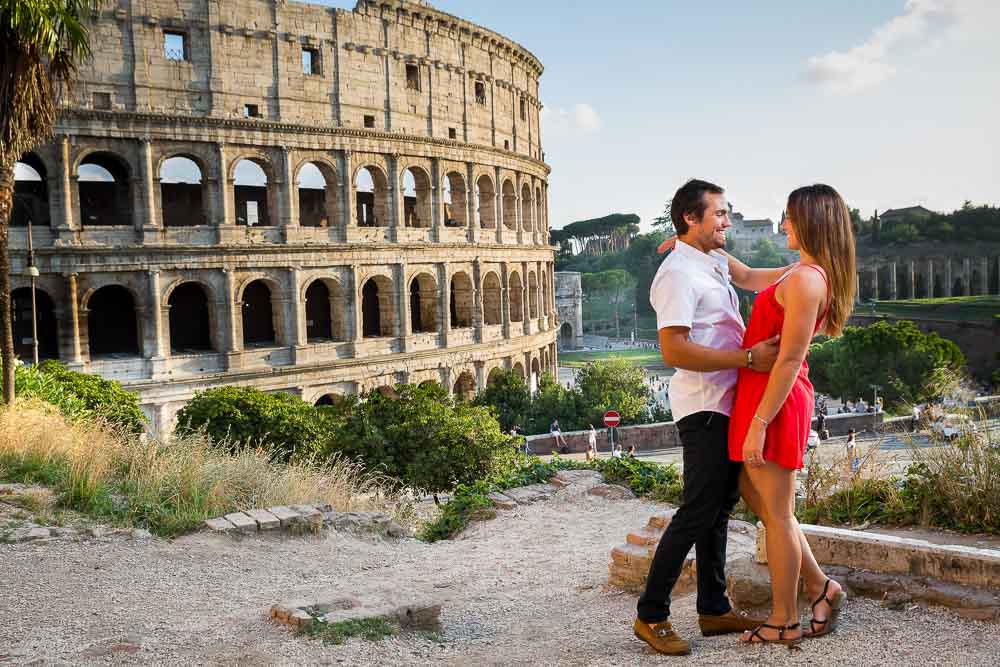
(661, 520)
(627, 554)
(645, 537)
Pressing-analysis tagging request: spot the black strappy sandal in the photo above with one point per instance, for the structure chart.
(757, 638)
(820, 628)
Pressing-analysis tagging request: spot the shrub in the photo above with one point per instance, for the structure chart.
(242, 416)
(78, 395)
(423, 438)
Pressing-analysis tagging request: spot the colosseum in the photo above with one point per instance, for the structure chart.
(291, 197)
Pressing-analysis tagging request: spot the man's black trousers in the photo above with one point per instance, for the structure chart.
(711, 490)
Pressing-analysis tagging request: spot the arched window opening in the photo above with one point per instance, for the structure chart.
(456, 206)
(509, 205)
(112, 323)
(251, 193)
(319, 320)
(566, 339)
(465, 387)
(417, 210)
(258, 315)
(45, 322)
(526, 222)
(190, 326)
(493, 377)
(372, 194)
(486, 200)
(317, 194)
(491, 300)
(461, 301)
(532, 295)
(181, 195)
(378, 318)
(516, 296)
(423, 304)
(103, 187)
(31, 193)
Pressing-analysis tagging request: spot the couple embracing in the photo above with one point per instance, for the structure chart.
(743, 405)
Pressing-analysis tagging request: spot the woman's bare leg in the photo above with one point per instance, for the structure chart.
(775, 487)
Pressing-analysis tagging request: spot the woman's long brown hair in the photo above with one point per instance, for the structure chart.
(822, 224)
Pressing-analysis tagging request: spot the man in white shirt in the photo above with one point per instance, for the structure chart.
(701, 334)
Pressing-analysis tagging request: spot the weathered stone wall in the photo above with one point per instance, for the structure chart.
(445, 263)
(569, 304)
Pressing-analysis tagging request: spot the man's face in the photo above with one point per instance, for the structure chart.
(710, 231)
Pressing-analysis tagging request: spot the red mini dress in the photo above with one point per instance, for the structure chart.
(788, 432)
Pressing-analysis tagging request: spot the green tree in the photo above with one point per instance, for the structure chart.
(554, 401)
(41, 41)
(612, 385)
(909, 365)
(618, 282)
(766, 255)
(424, 438)
(664, 223)
(510, 398)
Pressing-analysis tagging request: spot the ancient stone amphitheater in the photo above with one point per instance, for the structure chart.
(291, 197)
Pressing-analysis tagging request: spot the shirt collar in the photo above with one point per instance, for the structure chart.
(711, 260)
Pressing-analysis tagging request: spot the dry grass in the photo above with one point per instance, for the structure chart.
(171, 485)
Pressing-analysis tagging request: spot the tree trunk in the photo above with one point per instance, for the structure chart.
(618, 298)
(6, 333)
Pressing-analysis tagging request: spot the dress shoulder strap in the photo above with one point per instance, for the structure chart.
(822, 273)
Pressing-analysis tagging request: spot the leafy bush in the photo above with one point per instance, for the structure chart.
(423, 437)
(80, 396)
(282, 424)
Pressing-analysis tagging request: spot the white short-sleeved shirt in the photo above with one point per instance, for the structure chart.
(692, 289)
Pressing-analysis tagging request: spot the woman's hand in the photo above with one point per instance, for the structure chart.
(753, 445)
(667, 245)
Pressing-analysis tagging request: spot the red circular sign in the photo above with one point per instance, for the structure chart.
(612, 418)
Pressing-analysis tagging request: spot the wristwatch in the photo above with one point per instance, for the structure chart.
(749, 358)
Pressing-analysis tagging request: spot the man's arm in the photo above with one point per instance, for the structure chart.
(749, 278)
(679, 352)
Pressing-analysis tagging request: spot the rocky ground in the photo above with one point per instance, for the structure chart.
(525, 588)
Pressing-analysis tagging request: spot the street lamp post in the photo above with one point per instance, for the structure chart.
(33, 273)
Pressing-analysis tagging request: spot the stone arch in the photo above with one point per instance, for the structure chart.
(494, 376)
(329, 400)
(532, 295)
(416, 193)
(371, 191)
(486, 202)
(182, 193)
(112, 322)
(45, 323)
(461, 298)
(190, 322)
(492, 314)
(464, 388)
(567, 340)
(31, 193)
(540, 220)
(378, 312)
(324, 310)
(254, 192)
(526, 203)
(515, 301)
(519, 369)
(423, 295)
(104, 190)
(509, 204)
(260, 313)
(536, 371)
(456, 207)
(317, 188)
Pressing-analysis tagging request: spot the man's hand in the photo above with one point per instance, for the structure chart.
(764, 354)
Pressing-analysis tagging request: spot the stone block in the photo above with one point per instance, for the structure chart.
(611, 492)
(241, 522)
(502, 501)
(285, 515)
(645, 537)
(748, 584)
(265, 520)
(661, 520)
(310, 515)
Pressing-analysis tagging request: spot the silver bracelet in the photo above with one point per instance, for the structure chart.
(761, 420)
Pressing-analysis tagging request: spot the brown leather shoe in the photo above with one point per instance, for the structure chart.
(727, 623)
(661, 637)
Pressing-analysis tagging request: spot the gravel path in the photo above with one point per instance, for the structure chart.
(526, 588)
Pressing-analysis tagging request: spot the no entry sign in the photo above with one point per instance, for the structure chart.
(612, 418)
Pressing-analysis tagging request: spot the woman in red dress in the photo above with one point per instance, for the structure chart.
(772, 412)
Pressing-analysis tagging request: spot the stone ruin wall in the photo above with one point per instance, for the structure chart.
(332, 291)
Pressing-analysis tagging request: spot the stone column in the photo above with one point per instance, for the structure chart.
(148, 219)
(396, 220)
(437, 200)
(234, 310)
(356, 330)
(300, 331)
(948, 284)
(875, 283)
(68, 223)
(966, 276)
(472, 202)
(984, 275)
(911, 276)
(349, 209)
(525, 302)
(930, 278)
(504, 300)
(893, 290)
(405, 326)
(477, 299)
(444, 295)
(76, 357)
(288, 204)
(227, 199)
(857, 287)
(497, 199)
(159, 341)
(518, 212)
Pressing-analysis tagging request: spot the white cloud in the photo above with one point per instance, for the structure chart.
(579, 120)
(922, 22)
